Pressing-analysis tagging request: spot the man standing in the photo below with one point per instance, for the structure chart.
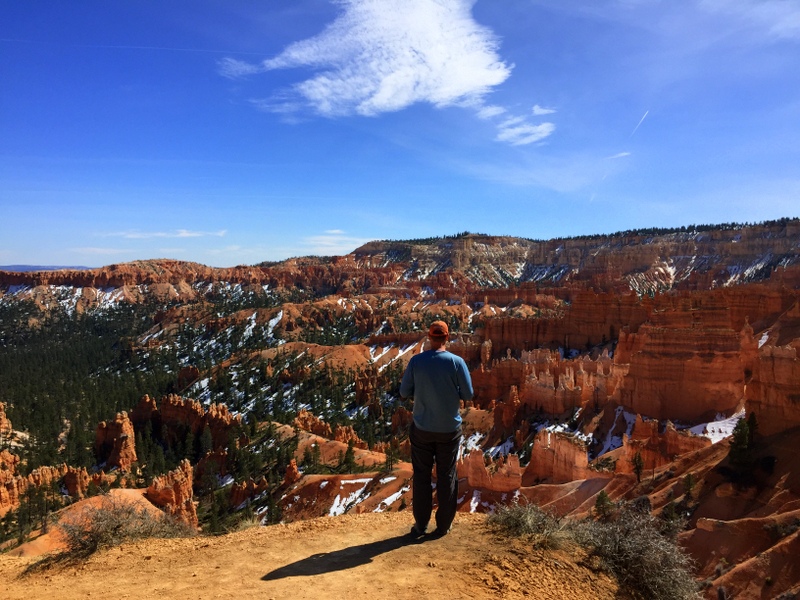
(437, 380)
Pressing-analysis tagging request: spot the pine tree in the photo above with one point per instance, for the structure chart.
(348, 461)
(752, 424)
(603, 506)
(638, 465)
(740, 444)
(206, 443)
(689, 485)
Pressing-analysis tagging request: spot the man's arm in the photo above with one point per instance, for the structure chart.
(464, 381)
(407, 383)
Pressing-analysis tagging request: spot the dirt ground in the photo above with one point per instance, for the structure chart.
(353, 556)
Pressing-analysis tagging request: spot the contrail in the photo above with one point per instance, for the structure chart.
(644, 116)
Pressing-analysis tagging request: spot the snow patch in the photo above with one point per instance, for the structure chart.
(718, 429)
(342, 504)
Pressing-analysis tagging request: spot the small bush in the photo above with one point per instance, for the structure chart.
(779, 531)
(545, 529)
(630, 545)
(646, 562)
(248, 522)
(114, 522)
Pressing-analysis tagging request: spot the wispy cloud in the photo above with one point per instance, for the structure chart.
(518, 132)
(780, 18)
(178, 233)
(487, 112)
(618, 155)
(541, 111)
(383, 56)
(333, 242)
(96, 251)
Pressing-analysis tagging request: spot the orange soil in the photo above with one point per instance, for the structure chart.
(354, 556)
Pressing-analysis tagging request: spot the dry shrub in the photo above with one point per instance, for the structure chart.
(648, 564)
(248, 522)
(545, 529)
(115, 521)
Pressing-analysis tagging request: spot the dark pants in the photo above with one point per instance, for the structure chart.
(428, 447)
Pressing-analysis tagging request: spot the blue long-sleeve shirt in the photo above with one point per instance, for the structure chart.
(438, 380)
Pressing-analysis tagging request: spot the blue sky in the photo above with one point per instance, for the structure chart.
(241, 131)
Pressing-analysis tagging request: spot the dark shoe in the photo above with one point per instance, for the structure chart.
(417, 531)
(440, 532)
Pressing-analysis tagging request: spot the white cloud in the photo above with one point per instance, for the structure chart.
(178, 233)
(95, 251)
(233, 68)
(540, 110)
(382, 56)
(385, 55)
(517, 132)
(487, 112)
(333, 242)
(618, 155)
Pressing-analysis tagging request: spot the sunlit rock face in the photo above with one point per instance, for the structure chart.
(173, 494)
(5, 424)
(174, 415)
(114, 442)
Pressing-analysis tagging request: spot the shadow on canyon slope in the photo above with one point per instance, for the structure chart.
(340, 560)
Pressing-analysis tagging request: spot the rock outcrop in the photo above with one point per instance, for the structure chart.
(5, 424)
(773, 393)
(556, 458)
(505, 474)
(308, 422)
(174, 416)
(115, 444)
(173, 494)
(13, 486)
(242, 492)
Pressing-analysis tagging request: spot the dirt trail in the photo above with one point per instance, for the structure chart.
(354, 556)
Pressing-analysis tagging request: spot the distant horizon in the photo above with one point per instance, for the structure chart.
(241, 132)
(25, 268)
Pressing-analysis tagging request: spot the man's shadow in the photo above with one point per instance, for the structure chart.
(339, 560)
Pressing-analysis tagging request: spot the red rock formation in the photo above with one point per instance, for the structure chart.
(76, 481)
(556, 458)
(401, 420)
(8, 464)
(685, 374)
(506, 416)
(212, 464)
(14, 486)
(173, 494)
(308, 422)
(143, 412)
(656, 449)
(187, 376)
(114, 442)
(292, 473)
(591, 319)
(176, 414)
(247, 490)
(506, 475)
(346, 434)
(773, 393)
(5, 424)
